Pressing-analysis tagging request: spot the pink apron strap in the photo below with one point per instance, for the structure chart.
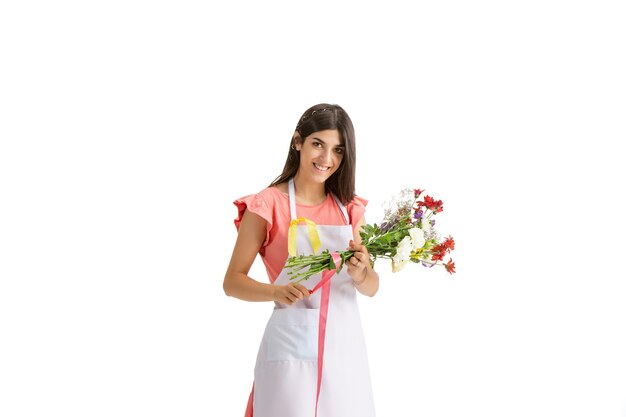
(249, 410)
(325, 298)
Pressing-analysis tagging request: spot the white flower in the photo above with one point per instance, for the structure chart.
(417, 238)
(397, 266)
(403, 251)
(403, 254)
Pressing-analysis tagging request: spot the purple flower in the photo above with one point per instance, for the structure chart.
(418, 214)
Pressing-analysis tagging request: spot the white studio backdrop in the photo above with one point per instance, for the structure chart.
(128, 128)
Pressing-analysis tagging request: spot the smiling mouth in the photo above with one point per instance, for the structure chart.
(321, 168)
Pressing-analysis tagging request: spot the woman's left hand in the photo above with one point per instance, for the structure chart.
(359, 263)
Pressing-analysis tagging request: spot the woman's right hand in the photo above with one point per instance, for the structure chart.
(290, 293)
(237, 283)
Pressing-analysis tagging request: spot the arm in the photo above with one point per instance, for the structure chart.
(238, 284)
(363, 276)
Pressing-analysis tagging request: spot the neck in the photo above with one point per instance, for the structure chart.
(308, 192)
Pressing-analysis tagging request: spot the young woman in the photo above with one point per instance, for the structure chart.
(312, 360)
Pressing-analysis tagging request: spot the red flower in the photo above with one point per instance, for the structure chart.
(450, 267)
(449, 243)
(418, 192)
(435, 205)
(438, 252)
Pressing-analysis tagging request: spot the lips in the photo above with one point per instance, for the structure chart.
(320, 167)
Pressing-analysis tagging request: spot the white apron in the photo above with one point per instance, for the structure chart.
(312, 361)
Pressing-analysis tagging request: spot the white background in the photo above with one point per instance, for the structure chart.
(128, 128)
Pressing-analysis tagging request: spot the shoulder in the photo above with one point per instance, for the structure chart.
(270, 198)
(272, 193)
(357, 201)
(255, 203)
(263, 203)
(356, 210)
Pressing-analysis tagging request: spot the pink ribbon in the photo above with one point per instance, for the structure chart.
(324, 284)
(328, 274)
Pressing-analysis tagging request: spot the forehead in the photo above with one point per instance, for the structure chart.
(330, 137)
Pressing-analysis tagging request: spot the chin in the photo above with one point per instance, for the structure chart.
(321, 177)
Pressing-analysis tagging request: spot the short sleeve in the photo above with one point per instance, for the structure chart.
(257, 205)
(356, 210)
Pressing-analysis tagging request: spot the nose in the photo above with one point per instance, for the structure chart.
(327, 155)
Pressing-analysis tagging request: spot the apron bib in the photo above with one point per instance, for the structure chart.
(312, 360)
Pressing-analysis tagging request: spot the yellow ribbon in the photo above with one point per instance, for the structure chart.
(293, 232)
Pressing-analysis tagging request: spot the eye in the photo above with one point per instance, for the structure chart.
(317, 144)
(339, 150)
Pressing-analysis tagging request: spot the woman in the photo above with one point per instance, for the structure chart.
(312, 360)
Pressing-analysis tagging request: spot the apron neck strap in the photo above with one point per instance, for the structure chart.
(343, 209)
(292, 203)
(292, 199)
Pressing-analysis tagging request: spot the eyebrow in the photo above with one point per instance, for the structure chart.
(338, 146)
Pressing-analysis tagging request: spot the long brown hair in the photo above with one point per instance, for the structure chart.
(326, 117)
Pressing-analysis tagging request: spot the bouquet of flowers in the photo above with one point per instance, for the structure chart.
(406, 234)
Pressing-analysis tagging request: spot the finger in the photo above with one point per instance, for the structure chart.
(304, 290)
(358, 248)
(296, 293)
(292, 298)
(289, 293)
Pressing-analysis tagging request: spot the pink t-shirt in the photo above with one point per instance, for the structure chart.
(273, 206)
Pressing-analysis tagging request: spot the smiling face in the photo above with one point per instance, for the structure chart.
(327, 155)
(321, 154)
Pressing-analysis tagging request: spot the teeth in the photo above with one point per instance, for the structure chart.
(321, 168)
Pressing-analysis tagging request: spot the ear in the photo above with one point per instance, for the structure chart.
(297, 141)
